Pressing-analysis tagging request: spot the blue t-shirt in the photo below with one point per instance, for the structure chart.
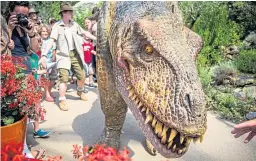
(20, 49)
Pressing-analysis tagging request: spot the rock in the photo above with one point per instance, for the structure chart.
(250, 91)
(231, 50)
(221, 88)
(244, 80)
(240, 95)
(226, 81)
(237, 90)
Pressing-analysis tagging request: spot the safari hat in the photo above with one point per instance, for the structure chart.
(32, 10)
(65, 7)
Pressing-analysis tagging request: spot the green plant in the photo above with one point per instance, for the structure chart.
(85, 11)
(250, 41)
(205, 76)
(224, 71)
(232, 108)
(246, 61)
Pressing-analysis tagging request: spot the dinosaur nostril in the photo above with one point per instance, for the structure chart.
(188, 100)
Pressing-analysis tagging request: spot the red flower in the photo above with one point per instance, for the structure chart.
(19, 92)
(13, 152)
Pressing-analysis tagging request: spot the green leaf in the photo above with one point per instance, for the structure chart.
(8, 120)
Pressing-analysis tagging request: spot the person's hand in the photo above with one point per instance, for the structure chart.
(245, 127)
(34, 71)
(11, 45)
(30, 29)
(42, 61)
(12, 22)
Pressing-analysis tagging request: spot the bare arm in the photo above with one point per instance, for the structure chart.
(89, 35)
(93, 52)
(34, 44)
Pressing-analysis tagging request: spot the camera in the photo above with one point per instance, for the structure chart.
(22, 20)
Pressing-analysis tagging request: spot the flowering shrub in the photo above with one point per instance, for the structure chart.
(19, 93)
(100, 153)
(13, 152)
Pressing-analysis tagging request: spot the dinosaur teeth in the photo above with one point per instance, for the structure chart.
(172, 135)
(133, 97)
(131, 92)
(179, 151)
(163, 140)
(143, 109)
(181, 139)
(174, 147)
(196, 140)
(158, 128)
(154, 122)
(129, 87)
(201, 138)
(140, 104)
(164, 130)
(169, 145)
(147, 111)
(149, 118)
(188, 140)
(137, 101)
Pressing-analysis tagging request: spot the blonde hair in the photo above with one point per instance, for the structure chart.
(47, 28)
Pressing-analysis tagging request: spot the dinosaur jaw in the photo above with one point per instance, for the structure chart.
(167, 145)
(168, 141)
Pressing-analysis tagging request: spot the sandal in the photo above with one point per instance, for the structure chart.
(40, 154)
(52, 95)
(49, 99)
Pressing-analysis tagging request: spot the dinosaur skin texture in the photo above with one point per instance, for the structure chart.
(146, 61)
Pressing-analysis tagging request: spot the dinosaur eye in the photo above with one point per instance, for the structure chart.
(149, 49)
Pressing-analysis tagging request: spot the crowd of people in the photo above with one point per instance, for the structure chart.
(57, 51)
(62, 50)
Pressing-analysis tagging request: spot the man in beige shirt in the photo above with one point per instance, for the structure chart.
(68, 36)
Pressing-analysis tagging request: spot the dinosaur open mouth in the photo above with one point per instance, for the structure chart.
(170, 138)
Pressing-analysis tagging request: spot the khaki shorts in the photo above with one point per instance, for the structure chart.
(76, 67)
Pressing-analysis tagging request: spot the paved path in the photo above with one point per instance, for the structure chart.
(83, 123)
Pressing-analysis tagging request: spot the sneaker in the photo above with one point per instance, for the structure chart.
(92, 85)
(41, 133)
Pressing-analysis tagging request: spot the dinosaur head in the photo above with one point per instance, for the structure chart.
(160, 78)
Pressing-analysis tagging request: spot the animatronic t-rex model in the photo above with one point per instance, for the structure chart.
(146, 61)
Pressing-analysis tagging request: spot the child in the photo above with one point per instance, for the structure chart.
(38, 133)
(88, 51)
(52, 76)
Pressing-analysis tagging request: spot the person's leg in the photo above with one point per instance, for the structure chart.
(63, 77)
(47, 90)
(78, 69)
(91, 82)
(86, 69)
(52, 83)
(39, 133)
